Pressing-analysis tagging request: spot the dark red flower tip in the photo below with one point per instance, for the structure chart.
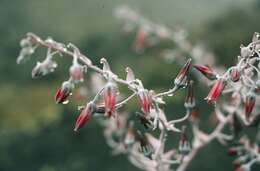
(181, 78)
(232, 152)
(234, 74)
(249, 104)
(110, 94)
(215, 91)
(190, 99)
(85, 115)
(64, 92)
(206, 71)
(144, 100)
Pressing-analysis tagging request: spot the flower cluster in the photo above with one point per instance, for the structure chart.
(233, 92)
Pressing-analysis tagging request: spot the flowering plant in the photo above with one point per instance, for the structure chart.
(239, 85)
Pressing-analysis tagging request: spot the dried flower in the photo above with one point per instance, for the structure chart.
(110, 94)
(43, 68)
(144, 100)
(206, 71)
(181, 79)
(215, 91)
(249, 104)
(234, 74)
(26, 51)
(190, 99)
(85, 115)
(64, 92)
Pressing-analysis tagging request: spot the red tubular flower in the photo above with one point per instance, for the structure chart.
(76, 72)
(144, 100)
(190, 100)
(181, 78)
(249, 104)
(234, 74)
(206, 71)
(64, 92)
(215, 91)
(110, 93)
(85, 115)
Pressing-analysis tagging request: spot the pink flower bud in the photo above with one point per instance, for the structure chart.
(110, 93)
(64, 92)
(206, 71)
(140, 40)
(144, 100)
(85, 115)
(190, 99)
(181, 79)
(76, 72)
(249, 104)
(234, 74)
(215, 91)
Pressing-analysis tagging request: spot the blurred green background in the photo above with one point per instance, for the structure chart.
(36, 134)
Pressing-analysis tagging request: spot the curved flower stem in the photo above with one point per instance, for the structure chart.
(181, 119)
(86, 61)
(118, 105)
(167, 93)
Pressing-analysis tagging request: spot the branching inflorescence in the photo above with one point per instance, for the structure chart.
(239, 85)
